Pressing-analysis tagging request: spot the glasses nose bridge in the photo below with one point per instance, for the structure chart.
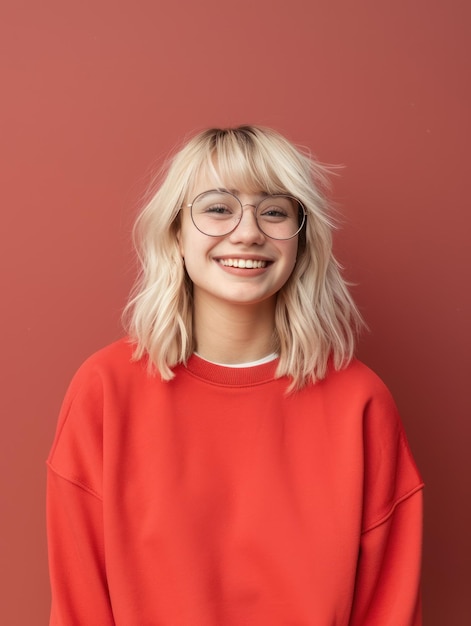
(254, 213)
(248, 227)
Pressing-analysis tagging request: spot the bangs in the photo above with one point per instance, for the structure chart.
(239, 161)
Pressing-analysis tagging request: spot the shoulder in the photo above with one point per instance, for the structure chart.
(362, 383)
(390, 472)
(97, 396)
(355, 373)
(357, 397)
(115, 356)
(102, 381)
(113, 362)
(356, 384)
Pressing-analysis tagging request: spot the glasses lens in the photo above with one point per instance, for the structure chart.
(280, 217)
(216, 213)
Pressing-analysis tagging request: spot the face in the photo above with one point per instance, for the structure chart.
(244, 267)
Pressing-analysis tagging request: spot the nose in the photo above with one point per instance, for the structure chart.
(247, 230)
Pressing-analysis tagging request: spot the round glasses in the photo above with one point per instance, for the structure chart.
(217, 213)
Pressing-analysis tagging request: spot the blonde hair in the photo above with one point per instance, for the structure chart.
(316, 319)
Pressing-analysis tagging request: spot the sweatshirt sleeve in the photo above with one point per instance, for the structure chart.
(387, 591)
(76, 555)
(75, 508)
(387, 586)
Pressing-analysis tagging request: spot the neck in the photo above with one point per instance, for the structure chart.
(234, 333)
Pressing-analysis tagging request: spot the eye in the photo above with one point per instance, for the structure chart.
(219, 209)
(274, 212)
(278, 209)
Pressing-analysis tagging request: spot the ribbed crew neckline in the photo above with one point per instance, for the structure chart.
(232, 376)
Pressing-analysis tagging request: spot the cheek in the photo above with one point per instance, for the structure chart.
(195, 270)
(292, 254)
(193, 253)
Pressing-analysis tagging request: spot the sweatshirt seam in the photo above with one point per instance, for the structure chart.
(75, 481)
(392, 508)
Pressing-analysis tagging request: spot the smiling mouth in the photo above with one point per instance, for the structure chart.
(244, 263)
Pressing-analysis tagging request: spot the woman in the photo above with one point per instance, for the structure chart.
(230, 463)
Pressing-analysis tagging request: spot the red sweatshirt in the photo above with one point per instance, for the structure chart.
(216, 499)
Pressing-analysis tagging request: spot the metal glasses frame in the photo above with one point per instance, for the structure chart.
(302, 213)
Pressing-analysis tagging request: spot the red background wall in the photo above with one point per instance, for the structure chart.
(94, 93)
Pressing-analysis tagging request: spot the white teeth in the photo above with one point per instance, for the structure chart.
(243, 263)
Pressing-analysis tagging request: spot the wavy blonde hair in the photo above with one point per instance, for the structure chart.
(316, 319)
